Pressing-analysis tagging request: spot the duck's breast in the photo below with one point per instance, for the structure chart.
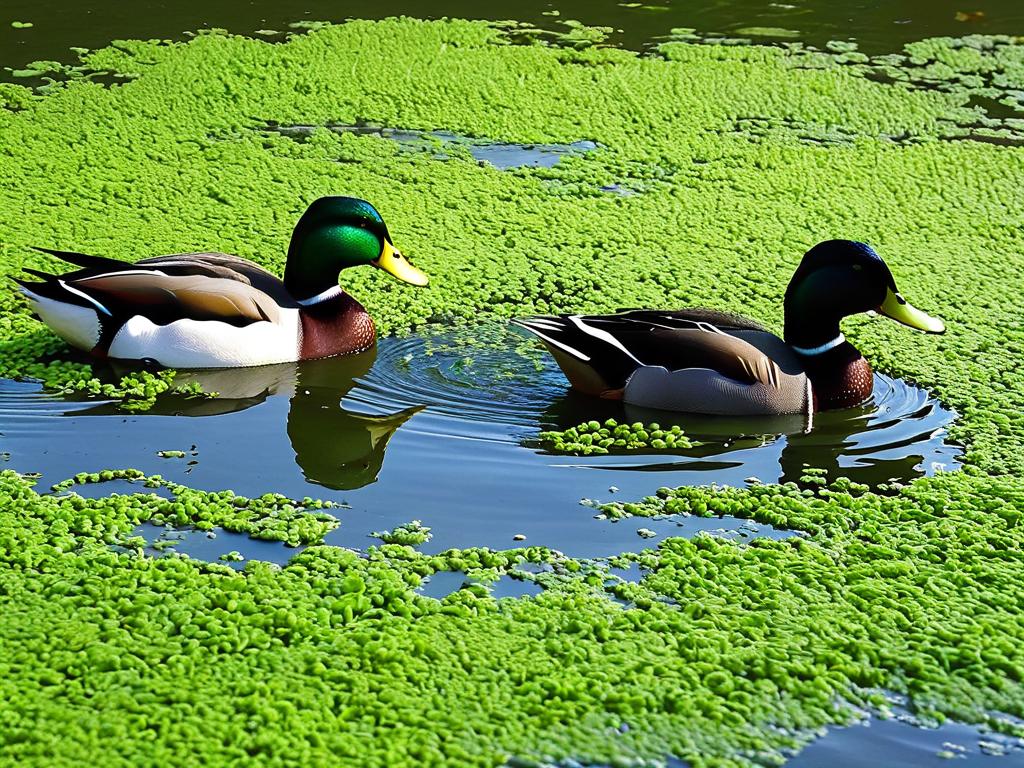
(338, 326)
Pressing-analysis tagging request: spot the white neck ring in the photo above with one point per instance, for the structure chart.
(821, 348)
(330, 293)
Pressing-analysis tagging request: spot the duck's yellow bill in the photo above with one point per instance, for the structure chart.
(396, 265)
(900, 310)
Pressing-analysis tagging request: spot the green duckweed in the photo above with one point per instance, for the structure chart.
(742, 157)
(715, 636)
(597, 438)
(270, 517)
(410, 534)
(684, 144)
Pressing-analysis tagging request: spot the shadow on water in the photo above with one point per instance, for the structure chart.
(878, 26)
(442, 427)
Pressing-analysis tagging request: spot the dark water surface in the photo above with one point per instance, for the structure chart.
(442, 428)
(879, 27)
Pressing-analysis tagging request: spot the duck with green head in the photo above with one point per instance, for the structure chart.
(705, 361)
(212, 310)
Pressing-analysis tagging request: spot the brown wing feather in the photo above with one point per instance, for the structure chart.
(602, 351)
(172, 297)
(706, 347)
(225, 266)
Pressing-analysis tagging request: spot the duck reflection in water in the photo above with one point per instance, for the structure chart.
(897, 435)
(334, 447)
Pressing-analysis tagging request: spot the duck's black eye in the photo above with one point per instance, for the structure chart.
(858, 267)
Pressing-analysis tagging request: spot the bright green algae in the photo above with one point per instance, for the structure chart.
(593, 437)
(334, 657)
(271, 517)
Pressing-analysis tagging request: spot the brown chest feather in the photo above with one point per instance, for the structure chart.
(844, 385)
(339, 326)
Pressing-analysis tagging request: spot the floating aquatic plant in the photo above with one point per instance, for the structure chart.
(270, 517)
(596, 438)
(716, 636)
(410, 534)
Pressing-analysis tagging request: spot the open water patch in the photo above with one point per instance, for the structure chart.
(217, 545)
(443, 583)
(897, 738)
(442, 144)
(442, 427)
(897, 741)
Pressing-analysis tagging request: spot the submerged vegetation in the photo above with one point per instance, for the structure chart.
(740, 157)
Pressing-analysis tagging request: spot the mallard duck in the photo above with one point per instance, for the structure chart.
(704, 361)
(212, 310)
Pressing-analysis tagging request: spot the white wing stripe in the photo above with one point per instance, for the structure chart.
(542, 323)
(597, 333)
(564, 347)
(85, 296)
(121, 273)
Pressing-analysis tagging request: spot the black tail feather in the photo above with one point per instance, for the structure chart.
(22, 283)
(49, 288)
(46, 276)
(84, 259)
(590, 362)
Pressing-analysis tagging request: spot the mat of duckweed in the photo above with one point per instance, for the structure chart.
(739, 158)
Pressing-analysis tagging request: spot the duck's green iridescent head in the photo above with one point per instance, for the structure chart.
(336, 233)
(839, 278)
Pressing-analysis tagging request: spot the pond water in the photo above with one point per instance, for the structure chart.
(899, 742)
(442, 428)
(878, 26)
(501, 155)
(892, 742)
